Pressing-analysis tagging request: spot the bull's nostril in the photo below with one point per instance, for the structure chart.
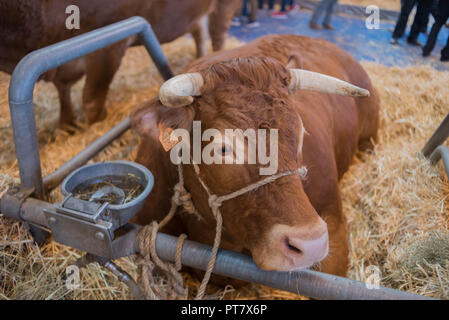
(292, 247)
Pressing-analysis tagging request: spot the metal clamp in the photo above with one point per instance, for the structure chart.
(12, 201)
(82, 225)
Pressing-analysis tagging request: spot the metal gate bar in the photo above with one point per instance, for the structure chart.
(433, 148)
(40, 61)
(309, 283)
(54, 179)
(439, 136)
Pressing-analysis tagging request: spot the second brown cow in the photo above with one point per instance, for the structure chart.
(27, 25)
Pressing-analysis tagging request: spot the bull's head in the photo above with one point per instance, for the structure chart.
(276, 222)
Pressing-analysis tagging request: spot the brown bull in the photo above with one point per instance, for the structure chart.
(290, 223)
(27, 25)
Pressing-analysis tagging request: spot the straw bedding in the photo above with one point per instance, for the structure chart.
(394, 200)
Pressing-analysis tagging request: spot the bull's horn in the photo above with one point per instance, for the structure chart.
(179, 90)
(308, 80)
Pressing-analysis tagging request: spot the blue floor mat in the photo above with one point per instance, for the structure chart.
(352, 35)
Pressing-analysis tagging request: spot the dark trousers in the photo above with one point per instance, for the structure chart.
(252, 10)
(285, 3)
(421, 18)
(441, 16)
(270, 4)
(325, 7)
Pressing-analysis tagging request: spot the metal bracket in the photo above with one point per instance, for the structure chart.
(86, 231)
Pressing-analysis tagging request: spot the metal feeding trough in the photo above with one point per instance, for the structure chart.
(118, 188)
(99, 199)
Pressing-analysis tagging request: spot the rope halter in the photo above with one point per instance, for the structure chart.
(182, 198)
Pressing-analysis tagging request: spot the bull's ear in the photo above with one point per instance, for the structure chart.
(156, 122)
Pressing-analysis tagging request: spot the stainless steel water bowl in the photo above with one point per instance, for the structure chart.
(98, 172)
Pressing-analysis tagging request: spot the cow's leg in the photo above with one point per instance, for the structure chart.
(327, 203)
(100, 69)
(66, 116)
(64, 77)
(220, 21)
(200, 40)
(337, 261)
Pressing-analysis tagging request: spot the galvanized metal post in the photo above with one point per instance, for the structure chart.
(439, 136)
(40, 61)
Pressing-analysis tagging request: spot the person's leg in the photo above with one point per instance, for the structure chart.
(445, 52)
(284, 5)
(253, 12)
(261, 2)
(319, 10)
(406, 8)
(432, 38)
(270, 4)
(422, 11)
(245, 8)
(425, 23)
(328, 16)
(441, 16)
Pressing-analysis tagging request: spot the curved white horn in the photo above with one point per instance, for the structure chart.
(314, 81)
(179, 90)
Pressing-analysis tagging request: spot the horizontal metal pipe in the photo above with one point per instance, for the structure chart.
(309, 283)
(439, 136)
(40, 61)
(55, 178)
(442, 152)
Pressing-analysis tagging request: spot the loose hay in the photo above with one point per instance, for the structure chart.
(393, 199)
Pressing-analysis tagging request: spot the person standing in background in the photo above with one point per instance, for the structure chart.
(441, 16)
(421, 18)
(252, 16)
(325, 7)
(282, 14)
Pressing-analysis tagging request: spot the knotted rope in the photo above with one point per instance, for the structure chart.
(146, 239)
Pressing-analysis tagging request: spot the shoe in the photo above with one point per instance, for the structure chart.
(253, 24)
(444, 59)
(328, 26)
(315, 26)
(394, 41)
(279, 15)
(236, 22)
(414, 42)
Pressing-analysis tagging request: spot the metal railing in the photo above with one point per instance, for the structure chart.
(434, 150)
(40, 61)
